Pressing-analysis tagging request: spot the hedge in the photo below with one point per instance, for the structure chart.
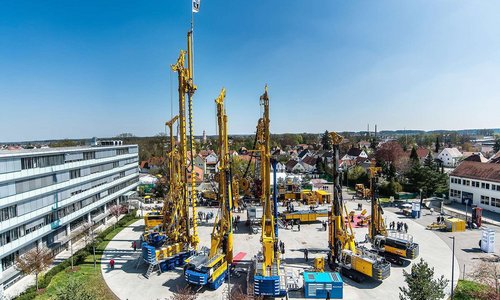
(78, 258)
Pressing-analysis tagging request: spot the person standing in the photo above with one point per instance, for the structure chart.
(134, 245)
(306, 255)
(112, 264)
(406, 228)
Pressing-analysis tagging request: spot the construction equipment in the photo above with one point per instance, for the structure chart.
(354, 262)
(177, 239)
(304, 215)
(392, 245)
(315, 197)
(269, 277)
(362, 192)
(210, 267)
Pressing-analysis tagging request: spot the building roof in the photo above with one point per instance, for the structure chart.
(495, 159)
(422, 152)
(290, 164)
(453, 152)
(477, 170)
(303, 153)
(476, 157)
(309, 160)
(354, 152)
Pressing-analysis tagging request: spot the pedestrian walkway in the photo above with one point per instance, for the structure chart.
(459, 209)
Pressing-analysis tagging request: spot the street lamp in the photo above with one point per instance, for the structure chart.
(452, 265)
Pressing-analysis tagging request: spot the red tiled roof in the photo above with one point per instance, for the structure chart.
(477, 170)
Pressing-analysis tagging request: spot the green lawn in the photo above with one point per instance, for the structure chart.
(90, 277)
(469, 290)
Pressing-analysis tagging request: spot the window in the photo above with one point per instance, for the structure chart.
(455, 193)
(121, 151)
(41, 161)
(9, 236)
(8, 212)
(459, 181)
(495, 202)
(74, 173)
(8, 261)
(487, 186)
(485, 200)
(475, 184)
(88, 155)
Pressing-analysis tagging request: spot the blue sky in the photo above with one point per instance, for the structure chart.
(75, 69)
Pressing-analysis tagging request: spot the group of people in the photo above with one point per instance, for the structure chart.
(399, 226)
(203, 216)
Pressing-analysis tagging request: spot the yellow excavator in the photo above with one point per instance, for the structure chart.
(269, 278)
(210, 266)
(394, 246)
(345, 256)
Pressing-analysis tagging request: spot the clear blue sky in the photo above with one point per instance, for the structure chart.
(74, 69)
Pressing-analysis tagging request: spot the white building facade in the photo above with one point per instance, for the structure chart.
(450, 157)
(476, 183)
(47, 194)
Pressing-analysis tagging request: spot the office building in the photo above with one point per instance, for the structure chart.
(48, 194)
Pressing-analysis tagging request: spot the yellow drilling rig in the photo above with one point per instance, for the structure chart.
(176, 239)
(269, 277)
(210, 266)
(394, 246)
(352, 261)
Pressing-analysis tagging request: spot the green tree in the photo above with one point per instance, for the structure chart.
(496, 146)
(357, 175)
(414, 155)
(421, 283)
(436, 145)
(429, 162)
(326, 141)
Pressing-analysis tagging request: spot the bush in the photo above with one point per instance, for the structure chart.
(472, 290)
(390, 188)
(29, 294)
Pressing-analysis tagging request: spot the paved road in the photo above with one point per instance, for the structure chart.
(127, 281)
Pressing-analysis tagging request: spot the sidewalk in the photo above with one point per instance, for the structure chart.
(459, 209)
(26, 281)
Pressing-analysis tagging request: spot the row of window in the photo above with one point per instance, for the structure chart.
(473, 183)
(494, 201)
(41, 161)
(8, 212)
(14, 234)
(22, 186)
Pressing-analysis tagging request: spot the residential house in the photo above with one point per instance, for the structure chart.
(474, 156)
(354, 153)
(476, 183)
(304, 153)
(450, 157)
(294, 166)
(280, 167)
(211, 161)
(309, 163)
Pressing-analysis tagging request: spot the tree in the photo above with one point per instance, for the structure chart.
(91, 239)
(429, 161)
(74, 290)
(357, 175)
(326, 141)
(421, 283)
(389, 152)
(414, 155)
(184, 293)
(437, 144)
(373, 145)
(488, 273)
(496, 146)
(115, 211)
(34, 261)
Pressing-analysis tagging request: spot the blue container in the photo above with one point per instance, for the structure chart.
(415, 214)
(317, 285)
(164, 266)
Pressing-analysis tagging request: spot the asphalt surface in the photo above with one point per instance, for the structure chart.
(127, 280)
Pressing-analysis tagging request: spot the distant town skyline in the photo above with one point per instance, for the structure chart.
(101, 68)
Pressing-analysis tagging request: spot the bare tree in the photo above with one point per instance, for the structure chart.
(34, 261)
(90, 236)
(488, 273)
(115, 211)
(238, 294)
(184, 293)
